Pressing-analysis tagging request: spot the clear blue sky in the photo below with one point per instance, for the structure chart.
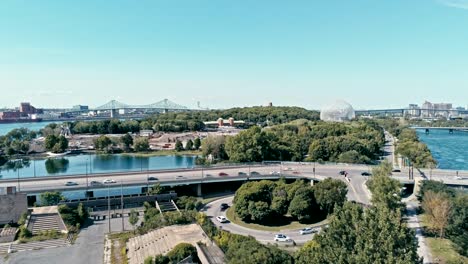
(227, 53)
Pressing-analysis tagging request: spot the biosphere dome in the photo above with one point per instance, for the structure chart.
(339, 111)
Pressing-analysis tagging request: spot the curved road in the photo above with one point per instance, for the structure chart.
(213, 209)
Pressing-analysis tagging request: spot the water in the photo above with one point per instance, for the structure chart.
(36, 126)
(450, 150)
(82, 164)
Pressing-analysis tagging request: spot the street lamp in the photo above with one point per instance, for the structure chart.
(86, 175)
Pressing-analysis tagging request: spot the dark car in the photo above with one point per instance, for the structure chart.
(242, 173)
(254, 173)
(343, 172)
(222, 174)
(396, 170)
(366, 174)
(153, 179)
(224, 206)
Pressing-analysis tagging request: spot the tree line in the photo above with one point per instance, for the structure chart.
(355, 142)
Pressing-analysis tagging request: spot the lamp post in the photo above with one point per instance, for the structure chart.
(34, 165)
(86, 175)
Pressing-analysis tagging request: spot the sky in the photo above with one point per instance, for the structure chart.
(224, 53)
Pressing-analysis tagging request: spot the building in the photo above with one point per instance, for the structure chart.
(80, 108)
(414, 110)
(339, 111)
(12, 205)
(27, 108)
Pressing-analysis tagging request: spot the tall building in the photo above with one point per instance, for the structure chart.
(414, 110)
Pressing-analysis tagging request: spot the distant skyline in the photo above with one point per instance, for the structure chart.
(372, 54)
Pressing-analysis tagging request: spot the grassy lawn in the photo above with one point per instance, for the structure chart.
(441, 248)
(291, 225)
(163, 153)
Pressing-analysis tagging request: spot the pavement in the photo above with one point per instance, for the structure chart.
(88, 247)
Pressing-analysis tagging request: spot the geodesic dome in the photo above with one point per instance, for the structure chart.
(339, 111)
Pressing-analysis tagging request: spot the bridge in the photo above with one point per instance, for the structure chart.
(197, 177)
(421, 112)
(450, 129)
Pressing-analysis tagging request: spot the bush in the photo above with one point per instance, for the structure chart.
(182, 251)
(24, 232)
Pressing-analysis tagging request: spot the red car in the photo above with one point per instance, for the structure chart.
(223, 174)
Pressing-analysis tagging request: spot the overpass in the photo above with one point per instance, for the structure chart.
(199, 176)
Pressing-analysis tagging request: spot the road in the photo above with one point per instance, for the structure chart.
(213, 209)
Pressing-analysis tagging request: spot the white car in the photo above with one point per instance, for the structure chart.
(108, 181)
(275, 173)
(306, 231)
(221, 219)
(282, 238)
(71, 183)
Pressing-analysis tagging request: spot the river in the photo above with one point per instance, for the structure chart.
(89, 164)
(450, 150)
(36, 126)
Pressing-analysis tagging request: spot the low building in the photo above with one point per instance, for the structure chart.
(12, 205)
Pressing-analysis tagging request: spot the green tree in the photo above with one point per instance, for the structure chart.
(133, 219)
(303, 205)
(51, 198)
(182, 251)
(250, 251)
(102, 143)
(127, 141)
(457, 229)
(141, 144)
(355, 235)
(50, 142)
(197, 143)
(385, 190)
(189, 145)
(330, 193)
(437, 207)
(179, 146)
(214, 146)
(82, 212)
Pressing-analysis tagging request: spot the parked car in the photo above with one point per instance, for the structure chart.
(108, 181)
(95, 183)
(282, 238)
(242, 173)
(223, 174)
(224, 206)
(153, 179)
(254, 173)
(71, 183)
(306, 231)
(366, 173)
(221, 219)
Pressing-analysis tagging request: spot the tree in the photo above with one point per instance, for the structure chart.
(189, 145)
(303, 205)
(102, 143)
(133, 218)
(356, 235)
(82, 212)
(457, 228)
(385, 190)
(437, 207)
(51, 198)
(141, 144)
(179, 146)
(197, 143)
(182, 251)
(214, 146)
(330, 193)
(50, 141)
(127, 141)
(251, 251)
